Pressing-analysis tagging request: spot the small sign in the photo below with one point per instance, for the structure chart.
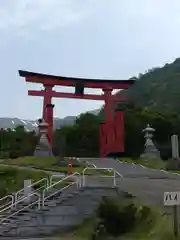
(171, 198)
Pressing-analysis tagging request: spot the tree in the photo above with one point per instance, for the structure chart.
(81, 139)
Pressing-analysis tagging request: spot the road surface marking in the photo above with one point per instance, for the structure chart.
(176, 174)
(163, 171)
(142, 166)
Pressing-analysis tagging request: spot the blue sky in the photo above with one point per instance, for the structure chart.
(114, 39)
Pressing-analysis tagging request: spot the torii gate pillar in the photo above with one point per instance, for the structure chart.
(49, 119)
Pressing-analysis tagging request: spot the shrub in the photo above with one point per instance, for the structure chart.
(14, 154)
(117, 219)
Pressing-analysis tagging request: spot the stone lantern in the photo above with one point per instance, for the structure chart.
(43, 148)
(150, 151)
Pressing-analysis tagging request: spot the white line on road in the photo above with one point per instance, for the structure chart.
(163, 171)
(176, 174)
(94, 165)
(142, 166)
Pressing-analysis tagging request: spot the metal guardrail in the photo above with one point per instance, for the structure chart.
(23, 208)
(55, 176)
(74, 175)
(21, 191)
(101, 169)
(77, 182)
(11, 197)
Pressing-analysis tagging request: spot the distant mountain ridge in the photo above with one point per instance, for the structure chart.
(31, 125)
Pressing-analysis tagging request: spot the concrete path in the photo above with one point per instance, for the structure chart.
(147, 184)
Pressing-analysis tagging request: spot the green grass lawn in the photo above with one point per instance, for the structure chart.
(161, 230)
(82, 232)
(12, 179)
(45, 163)
(50, 164)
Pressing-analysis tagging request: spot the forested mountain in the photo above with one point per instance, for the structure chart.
(158, 88)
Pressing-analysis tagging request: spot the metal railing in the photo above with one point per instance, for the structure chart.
(22, 200)
(18, 193)
(76, 177)
(10, 203)
(101, 169)
(54, 176)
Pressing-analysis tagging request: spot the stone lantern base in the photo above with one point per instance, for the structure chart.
(152, 153)
(43, 148)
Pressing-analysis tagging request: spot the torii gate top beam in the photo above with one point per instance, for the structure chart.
(71, 81)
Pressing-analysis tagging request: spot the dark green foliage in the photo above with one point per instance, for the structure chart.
(158, 88)
(81, 139)
(116, 218)
(17, 143)
(144, 213)
(136, 119)
(99, 232)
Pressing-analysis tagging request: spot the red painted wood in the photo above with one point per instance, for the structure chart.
(49, 117)
(42, 93)
(109, 121)
(47, 100)
(103, 140)
(119, 128)
(69, 83)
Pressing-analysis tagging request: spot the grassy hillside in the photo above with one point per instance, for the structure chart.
(158, 88)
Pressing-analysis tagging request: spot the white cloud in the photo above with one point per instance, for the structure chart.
(38, 14)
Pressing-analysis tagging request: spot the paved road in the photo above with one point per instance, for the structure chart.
(147, 184)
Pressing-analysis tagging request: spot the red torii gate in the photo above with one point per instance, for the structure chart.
(111, 131)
